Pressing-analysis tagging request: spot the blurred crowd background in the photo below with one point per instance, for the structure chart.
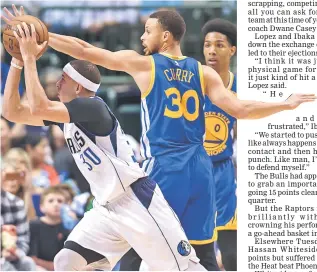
(39, 175)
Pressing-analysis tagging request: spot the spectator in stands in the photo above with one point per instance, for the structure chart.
(48, 233)
(5, 137)
(69, 217)
(24, 189)
(43, 175)
(67, 192)
(15, 243)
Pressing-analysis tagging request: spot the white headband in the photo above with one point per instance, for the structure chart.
(86, 83)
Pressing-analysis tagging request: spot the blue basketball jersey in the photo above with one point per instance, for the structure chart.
(219, 125)
(172, 110)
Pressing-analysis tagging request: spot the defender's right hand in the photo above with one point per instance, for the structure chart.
(10, 17)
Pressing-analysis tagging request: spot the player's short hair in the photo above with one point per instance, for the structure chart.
(51, 190)
(171, 21)
(222, 26)
(87, 70)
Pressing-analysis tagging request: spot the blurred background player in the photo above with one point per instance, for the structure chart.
(220, 41)
(102, 153)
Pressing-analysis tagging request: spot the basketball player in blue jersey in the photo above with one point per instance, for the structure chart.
(173, 89)
(129, 208)
(220, 41)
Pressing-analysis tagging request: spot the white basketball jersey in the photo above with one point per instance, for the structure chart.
(106, 162)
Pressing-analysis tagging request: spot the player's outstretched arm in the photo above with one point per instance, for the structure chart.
(128, 61)
(40, 107)
(246, 109)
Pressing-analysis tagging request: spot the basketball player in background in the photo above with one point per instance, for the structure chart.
(220, 41)
(173, 89)
(129, 208)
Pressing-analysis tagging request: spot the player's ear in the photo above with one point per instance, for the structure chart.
(166, 35)
(79, 89)
(233, 51)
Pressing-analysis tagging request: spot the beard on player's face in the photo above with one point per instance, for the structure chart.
(152, 45)
(152, 49)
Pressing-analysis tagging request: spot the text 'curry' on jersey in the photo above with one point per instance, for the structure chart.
(172, 108)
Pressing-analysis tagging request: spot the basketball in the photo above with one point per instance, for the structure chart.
(11, 44)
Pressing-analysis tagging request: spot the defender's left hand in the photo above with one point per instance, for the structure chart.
(295, 100)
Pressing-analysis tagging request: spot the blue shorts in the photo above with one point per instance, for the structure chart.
(190, 192)
(226, 199)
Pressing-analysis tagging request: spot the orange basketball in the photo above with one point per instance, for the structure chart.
(11, 44)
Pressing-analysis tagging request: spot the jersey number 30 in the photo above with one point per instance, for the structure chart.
(181, 103)
(89, 157)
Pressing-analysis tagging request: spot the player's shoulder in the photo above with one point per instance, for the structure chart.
(94, 100)
(93, 105)
(208, 72)
(135, 62)
(207, 68)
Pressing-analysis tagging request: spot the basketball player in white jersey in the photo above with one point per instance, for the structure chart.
(129, 208)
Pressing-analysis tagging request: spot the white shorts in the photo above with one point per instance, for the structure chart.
(141, 219)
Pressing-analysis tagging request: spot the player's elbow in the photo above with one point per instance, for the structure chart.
(237, 110)
(9, 112)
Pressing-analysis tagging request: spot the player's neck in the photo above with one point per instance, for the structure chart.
(171, 50)
(225, 76)
(86, 94)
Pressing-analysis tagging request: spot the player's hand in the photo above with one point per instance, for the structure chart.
(296, 99)
(28, 45)
(9, 16)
